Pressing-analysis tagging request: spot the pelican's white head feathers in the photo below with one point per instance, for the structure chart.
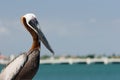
(29, 16)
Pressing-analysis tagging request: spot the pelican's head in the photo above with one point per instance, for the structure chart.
(32, 22)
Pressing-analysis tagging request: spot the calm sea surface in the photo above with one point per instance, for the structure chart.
(78, 72)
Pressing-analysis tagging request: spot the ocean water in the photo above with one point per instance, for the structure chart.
(78, 72)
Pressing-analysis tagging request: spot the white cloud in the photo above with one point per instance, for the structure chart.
(63, 31)
(3, 29)
(116, 22)
(62, 28)
(92, 20)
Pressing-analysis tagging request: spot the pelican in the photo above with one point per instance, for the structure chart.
(25, 66)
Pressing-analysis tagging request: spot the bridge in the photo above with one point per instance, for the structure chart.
(103, 60)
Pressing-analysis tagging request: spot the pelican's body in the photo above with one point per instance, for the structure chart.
(25, 66)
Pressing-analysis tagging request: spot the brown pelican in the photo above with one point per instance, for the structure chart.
(25, 66)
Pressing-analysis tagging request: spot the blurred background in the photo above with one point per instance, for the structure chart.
(73, 28)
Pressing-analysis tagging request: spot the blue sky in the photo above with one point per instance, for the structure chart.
(75, 27)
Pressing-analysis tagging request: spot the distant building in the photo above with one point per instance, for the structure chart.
(2, 57)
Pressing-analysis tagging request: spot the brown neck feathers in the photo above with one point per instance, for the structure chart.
(36, 43)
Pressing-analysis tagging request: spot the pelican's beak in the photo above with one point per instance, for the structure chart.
(44, 41)
(35, 25)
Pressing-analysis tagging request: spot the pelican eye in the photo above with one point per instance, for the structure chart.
(33, 22)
